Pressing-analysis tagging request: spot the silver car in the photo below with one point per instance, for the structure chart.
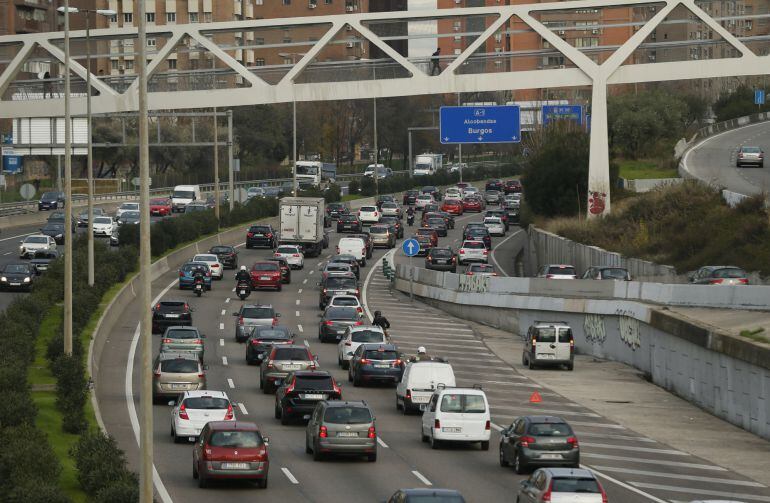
(183, 339)
(390, 209)
(175, 373)
(753, 156)
(251, 315)
(492, 196)
(562, 484)
(280, 361)
(338, 427)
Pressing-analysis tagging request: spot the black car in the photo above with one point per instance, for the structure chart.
(426, 496)
(410, 196)
(385, 198)
(368, 240)
(170, 313)
(478, 234)
(432, 190)
(425, 245)
(262, 338)
(450, 219)
(51, 201)
(285, 269)
(227, 256)
(512, 212)
(494, 185)
(82, 219)
(350, 260)
(438, 224)
(431, 208)
(375, 363)
(441, 259)
(394, 222)
(334, 210)
(348, 222)
(17, 276)
(301, 390)
(54, 230)
(334, 322)
(57, 217)
(130, 218)
(42, 258)
(261, 235)
(337, 285)
(501, 213)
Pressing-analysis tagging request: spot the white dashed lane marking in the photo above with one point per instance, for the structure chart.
(223, 312)
(299, 327)
(289, 476)
(243, 409)
(227, 300)
(221, 326)
(224, 360)
(221, 342)
(422, 478)
(230, 383)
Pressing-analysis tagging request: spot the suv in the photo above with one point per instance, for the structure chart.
(750, 155)
(338, 427)
(250, 315)
(375, 363)
(606, 272)
(354, 246)
(281, 361)
(410, 196)
(261, 235)
(719, 275)
(334, 210)
(175, 373)
(382, 236)
(348, 222)
(557, 271)
(170, 312)
(343, 284)
(301, 391)
(549, 343)
(564, 484)
(457, 415)
(472, 251)
(261, 340)
(539, 441)
(231, 450)
(51, 200)
(441, 259)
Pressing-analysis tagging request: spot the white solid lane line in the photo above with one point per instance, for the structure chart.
(243, 409)
(692, 492)
(230, 383)
(16, 237)
(221, 342)
(422, 478)
(382, 444)
(299, 327)
(223, 312)
(626, 486)
(500, 244)
(224, 360)
(288, 474)
(7, 253)
(221, 326)
(695, 478)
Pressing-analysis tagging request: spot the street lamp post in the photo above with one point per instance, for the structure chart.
(67, 329)
(90, 167)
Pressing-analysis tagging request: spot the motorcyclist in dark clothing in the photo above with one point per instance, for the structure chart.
(410, 216)
(242, 275)
(381, 321)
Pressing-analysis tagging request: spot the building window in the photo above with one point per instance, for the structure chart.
(114, 18)
(328, 2)
(207, 17)
(128, 17)
(194, 64)
(259, 41)
(259, 62)
(286, 2)
(171, 17)
(150, 17)
(287, 61)
(172, 64)
(115, 64)
(193, 17)
(151, 42)
(129, 64)
(287, 40)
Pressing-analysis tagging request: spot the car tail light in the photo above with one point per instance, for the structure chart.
(157, 372)
(437, 424)
(295, 255)
(186, 308)
(328, 323)
(338, 250)
(181, 274)
(743, 281)
(255, 342)
(408, 394)
(525, 441)
(488, 426)
(571, 346)
(167, 341)
(336, 388)
(198, 341)
(215, 266)
(208, 273)
(469, 273)
(323, 432)
(397, 363)
(715, 281)
(462, 252)
(365, 361)
(372, 432)
(573, 441)
(485, 252)
(359, 323)
(183, 413)
(269, 235)
(249, 234)
(604, 494)
(326, 290)
(549, 276)
(270, 364)
(157, 306)
(275, 321)
(290, 388)
(740, 155)
(360, 309)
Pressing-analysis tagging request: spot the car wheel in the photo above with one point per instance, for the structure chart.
(571, 366)
(350, 377)
(202, 482)
(363, 263)
(284, 418)
(524, 359)
(279, 287)
(345, 364)
(320, 305)
(423, 436)
(485, 445)
(317, 455)
(518, 464)
(277, 412)
(339, 361)
(356, 381)
(434, 444)
(308, 450)
(531, 363)
(262, 483)
(398, 405)
(195, 470)
(503, 461)
(372, 457)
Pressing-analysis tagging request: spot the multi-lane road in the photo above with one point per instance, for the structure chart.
(635, 468)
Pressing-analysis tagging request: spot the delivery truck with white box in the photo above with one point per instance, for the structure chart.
(302, 223)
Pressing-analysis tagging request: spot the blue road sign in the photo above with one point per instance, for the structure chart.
(411, 247)
(562, 112)
(12, 164)
(759, 96)
(482, 124)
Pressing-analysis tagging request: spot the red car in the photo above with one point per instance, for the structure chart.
(160, 207)
(511, 186)
(471, 204)
(266, 275)
(453, 206)
(431, 233)
(231, 450)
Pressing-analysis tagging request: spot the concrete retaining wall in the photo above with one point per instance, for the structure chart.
(647, 184)
(725, 375)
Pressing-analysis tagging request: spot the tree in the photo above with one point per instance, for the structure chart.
(737, 104)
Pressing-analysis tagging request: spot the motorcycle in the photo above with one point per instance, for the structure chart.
(410, 219)
(243, 289)
(198, 287)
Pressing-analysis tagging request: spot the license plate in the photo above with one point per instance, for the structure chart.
(420, 399)
(15, 284)
(264, 278)
(544, 356)
(259, 235)
(178, 386)
(291, 367)
(172, 316)
(243, 292)
(442, 261)
(347, 434)
(550, 456)
(381, 366)
(312, 396)
(451, 429)
(235, 466)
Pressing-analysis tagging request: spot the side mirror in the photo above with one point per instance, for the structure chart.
(235, 314)
(205, 367)
(277, 315)
(203, 336)
(171, 403)
(266, 440)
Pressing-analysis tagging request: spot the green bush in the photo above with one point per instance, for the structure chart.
(38, 491)
(17, 408)
(101, 464)
(71, 392)
(27, 462)
(121, 491)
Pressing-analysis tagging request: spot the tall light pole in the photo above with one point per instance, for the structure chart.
(376, 148)
(67, 329)
(90, 168)
(216, 166)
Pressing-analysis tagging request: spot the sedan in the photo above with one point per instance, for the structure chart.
(472, 204)
(285, 270)
(391, 209)
(441, 259)
(719, 275)
(30, 244)
(436, 223)
(753, 156)
(126, 207)
(334, 210)
(512, 186)
(105, 226)
(261, 340)
(480, 270)
(227, 256)
(535, 441)
(375, 363)
(130, 218)
(183, 340)
(347, 222)
(187, 275)
(453, 206)
(266, 274)
(431, 233)
(211, 260)
(42, 259)
(193, 409)
(423, 199)
(54, 230)
(292, 254)
(394, 223)
(334, 322)
(82, 220)
(160, 207)
(17, 276)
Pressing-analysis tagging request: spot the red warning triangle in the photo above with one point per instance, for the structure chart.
(535, 398)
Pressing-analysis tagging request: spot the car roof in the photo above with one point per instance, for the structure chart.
(544, 419)
(169, 355)
(569, 472)
(551, 323)
(356, 328)
(462, 390)
(430, 492)
(266, 306)
(385, 347)
(199, 393)
(182, 327)
(232, 425)
(346, 403)
(311, 373)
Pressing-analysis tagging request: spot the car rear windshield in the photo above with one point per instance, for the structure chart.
(103, 220)
(242, 439)
(158, 202)
(265, 266)
(751, 150)
(313, 382)
(367, 336)
(550, 429)
(348, 218)
(376, 354)
(482, 268)
(291, 354)
(181, 334)
(275, 333)
(221, 249)
(171, 306)
(568, 270)
(549, 334)
(340, 283)
(474, 245)
(466, 404)
(378, 230)
(341, 313)
(287, 249)
(258, 313)
(345, 301)
(438, 252)
(574, 485)
(368, 208)
(436, 221)
(425, 232)
(729, 272)
(347, 415)
(338, 267)
(206, 402)
(260, 229)
(50, 196)
(179, 366)
(614, 273)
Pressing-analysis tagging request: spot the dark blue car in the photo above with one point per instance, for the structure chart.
(187, 275)
(375, 363)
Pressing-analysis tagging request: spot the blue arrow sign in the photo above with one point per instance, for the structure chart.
(562, 112)
(759, 96)
(411, 247)
(482, 124)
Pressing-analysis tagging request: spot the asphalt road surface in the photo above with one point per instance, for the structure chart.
(635, 468)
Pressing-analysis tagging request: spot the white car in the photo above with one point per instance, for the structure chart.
(419, 381)
(472, 251)
(495, 226)
(353, 246)
(458, 166)
(36, 242)
(292, 254)
(390, 210)
(126, 207)
(469, 190)
(346, 301)
(453, 193)
(557, 271)
(105, 226)
(422, 200)
(354, 337)
(368, 215)
(255, 192)
(215, 266)
(193, 409)
(456, 415)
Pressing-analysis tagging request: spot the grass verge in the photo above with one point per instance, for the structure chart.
(351, 197)
(644, 169)
(755, 336)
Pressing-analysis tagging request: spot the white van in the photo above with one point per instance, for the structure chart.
(457, 415)
(184, 195)
(419, 381)
(355, 247)
(549, 343)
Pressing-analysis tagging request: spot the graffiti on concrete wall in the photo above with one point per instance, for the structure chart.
(593, 327)
(629, 329)
(474, 284)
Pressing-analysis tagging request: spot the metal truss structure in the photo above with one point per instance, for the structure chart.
(406, 76)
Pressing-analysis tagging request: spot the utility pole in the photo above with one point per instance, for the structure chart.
(145, 289)
(460, 148)
(376, 154)
(216, 166)
(294, 155)
(230, 184)
(90, 161)
(68, 235)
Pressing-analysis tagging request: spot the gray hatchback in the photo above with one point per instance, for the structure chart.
(338, 427)
(534, 441)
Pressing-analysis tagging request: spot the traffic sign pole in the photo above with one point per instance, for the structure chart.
(411, 247)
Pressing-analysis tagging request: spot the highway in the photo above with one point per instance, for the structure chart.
(635, 468)
(713, 160)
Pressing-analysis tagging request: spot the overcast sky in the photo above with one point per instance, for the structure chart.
(422, 47)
